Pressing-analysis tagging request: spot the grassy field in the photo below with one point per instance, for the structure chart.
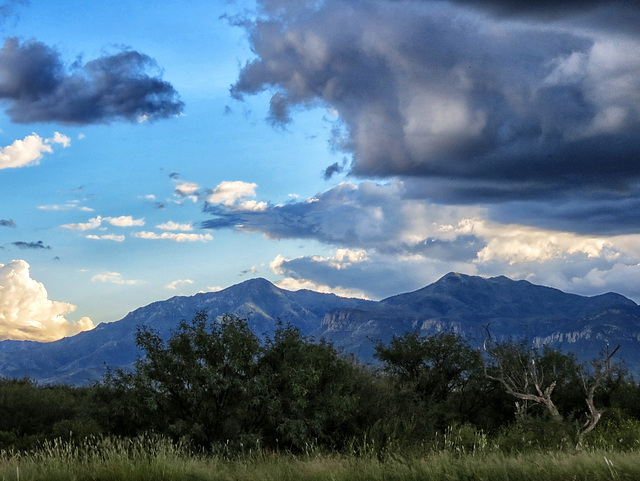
(156, 460)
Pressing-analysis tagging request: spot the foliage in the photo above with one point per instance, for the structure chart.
(309, 393)
(215, 387)
(31, 414)
(438, 379)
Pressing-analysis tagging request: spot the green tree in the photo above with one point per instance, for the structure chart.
(310, 393)
(198, 385)
(438, 379)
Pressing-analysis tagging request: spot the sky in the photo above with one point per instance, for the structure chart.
(360, 147)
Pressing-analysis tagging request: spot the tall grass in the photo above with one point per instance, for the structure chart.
(458, 458)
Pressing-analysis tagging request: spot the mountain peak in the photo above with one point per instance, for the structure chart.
(257, 283)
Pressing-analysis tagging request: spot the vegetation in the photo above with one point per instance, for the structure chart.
(214, 401)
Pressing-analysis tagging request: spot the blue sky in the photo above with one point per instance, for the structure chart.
(361, 147)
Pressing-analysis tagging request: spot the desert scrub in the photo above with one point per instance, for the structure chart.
(157, 459)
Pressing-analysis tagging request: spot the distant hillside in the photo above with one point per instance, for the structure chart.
(467, 305)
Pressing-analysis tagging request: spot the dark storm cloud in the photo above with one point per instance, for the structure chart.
(37, 87)
(488, 110)
(604, 15)
(545, 8)
(30, 245)
(606, 215)
(7, 223)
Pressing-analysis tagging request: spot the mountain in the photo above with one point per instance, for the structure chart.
(469, 305)
(476, 307)
(84, 358)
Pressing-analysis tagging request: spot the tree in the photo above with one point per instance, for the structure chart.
(309, 392)
(198, 385)
(439, 377)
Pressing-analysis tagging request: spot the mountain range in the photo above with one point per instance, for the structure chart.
(471, 306)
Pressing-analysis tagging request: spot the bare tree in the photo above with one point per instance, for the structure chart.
(519, 370)
(602, 372)
(521, 377)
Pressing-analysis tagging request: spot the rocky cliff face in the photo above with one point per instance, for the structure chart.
(466, 305)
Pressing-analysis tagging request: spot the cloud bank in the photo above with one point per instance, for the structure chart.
(395, 242)
(36, 86)
(27, 313)
(473, 105)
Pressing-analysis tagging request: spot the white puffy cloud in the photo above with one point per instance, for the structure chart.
(174, 236)
(184, 189)
(520, 244)
(292, 284)
(232, 194)
(114, 278)
(58, 138)
(73, 205)
(27, 313)
(111, 237)
(343, 258)
(186, 227)
(92, 223)
(213, 289)
(124, 221)
(177, 283)
(30, 150)
(95, 222)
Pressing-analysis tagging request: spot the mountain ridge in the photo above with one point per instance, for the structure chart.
(457, 302)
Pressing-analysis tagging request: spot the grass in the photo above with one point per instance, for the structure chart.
(156, 459)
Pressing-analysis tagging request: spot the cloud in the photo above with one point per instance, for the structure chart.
(38, 87)
(124, 221)
(27, 313)
(232, 194)
(7, 223)
(184, 189)
(376, 277)
(474, 107)
(7, 8)
(174, 236)
(113, 278)
(73, 205)
(92, 223)
(111, 237)
(292, 284)
(381, 216)
(545, 8)
(27, 152)
(30, 245)
(252, 270)
(176, 284)
(175, 226)
(334, 168)
(213, 289)
(95, 222)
